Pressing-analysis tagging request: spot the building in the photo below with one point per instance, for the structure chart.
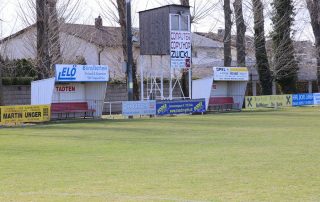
(98, 44)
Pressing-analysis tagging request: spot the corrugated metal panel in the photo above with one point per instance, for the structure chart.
(95, 95)
(41, 91)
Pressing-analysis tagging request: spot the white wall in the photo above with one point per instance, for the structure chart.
(201, 88)
(221, 89)
(22, 46)
(78, 95)
(41, 91)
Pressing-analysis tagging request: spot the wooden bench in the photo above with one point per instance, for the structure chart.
(222, 104)
(67, 108)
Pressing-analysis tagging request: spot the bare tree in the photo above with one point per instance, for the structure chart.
(1, 86)
(262, 61)
(227, 34)
(43, 59)
(121, 7)
(241, 31)
(185, 74)
(313, 7)
(54, 31)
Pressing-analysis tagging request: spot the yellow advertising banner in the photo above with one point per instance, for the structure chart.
(24, 114)
(268, 101)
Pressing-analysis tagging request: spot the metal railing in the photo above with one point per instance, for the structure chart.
(112, 108)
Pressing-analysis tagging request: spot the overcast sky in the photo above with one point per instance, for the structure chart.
(17, 14)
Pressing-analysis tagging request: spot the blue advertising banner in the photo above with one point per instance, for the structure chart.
(131, 108)
(316, 98)
(81, 73)
(302, 99)
(171, 107)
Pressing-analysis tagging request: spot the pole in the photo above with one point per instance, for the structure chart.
(129, 51)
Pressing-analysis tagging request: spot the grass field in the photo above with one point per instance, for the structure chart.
(249, 156)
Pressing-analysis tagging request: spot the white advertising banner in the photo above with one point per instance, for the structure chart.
(180, 49)
(230, 74)
(82, 73)
(130, 108)
(316, 98)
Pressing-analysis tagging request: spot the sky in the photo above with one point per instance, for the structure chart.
(18, 14)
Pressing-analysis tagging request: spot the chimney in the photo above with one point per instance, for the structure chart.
(98, 22)
(221, 32)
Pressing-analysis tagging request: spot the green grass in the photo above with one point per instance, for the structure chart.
(248, 156)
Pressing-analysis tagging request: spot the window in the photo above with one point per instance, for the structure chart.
(180, 22)
(174, 22)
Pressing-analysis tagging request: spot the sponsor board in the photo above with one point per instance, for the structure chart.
(268, 101)
(230, 74)
(171, 107)
(302, 99)
(131, 108)
(24, 114)
(81, 73)
(316, 98)
(180, 49)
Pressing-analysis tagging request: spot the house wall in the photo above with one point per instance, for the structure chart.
(21, 46)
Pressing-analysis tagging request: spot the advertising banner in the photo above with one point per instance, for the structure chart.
(268, 101)
(302, 99)
(230, 74)
(24, 114)
(180, 49)
(131, 108)
(171, 107)
(316, 98)
(82, 73)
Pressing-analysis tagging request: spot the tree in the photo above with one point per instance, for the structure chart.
(284, 64)
(185, 73)
(262, 61)
(227, 34)
(313, 7)
(43, 59)
(121, 7)
(241, 31)
(54, 31)
(1, 87)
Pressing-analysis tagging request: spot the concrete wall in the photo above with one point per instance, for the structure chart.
(16, 95)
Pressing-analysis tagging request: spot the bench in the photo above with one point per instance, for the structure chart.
(222, 104)
(67, 108)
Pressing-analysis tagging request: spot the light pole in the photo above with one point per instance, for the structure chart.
(129, 51)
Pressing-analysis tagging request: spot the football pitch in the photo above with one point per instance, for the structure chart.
(247, 156)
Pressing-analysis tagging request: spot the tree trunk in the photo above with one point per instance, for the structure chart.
(262, 62)
(313, 7)
(1, 86)
(227, 35)
(185, 74)
(121, 4)
(43, 59)
(123, 25)
(54, 31)
(241, 31)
